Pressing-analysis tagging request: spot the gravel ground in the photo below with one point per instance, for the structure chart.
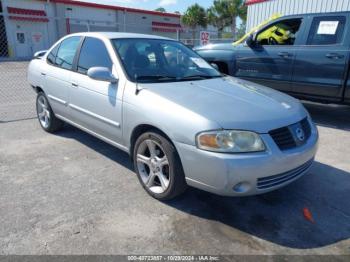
(70, 193)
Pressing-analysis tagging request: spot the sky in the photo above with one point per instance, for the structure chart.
(169, 5)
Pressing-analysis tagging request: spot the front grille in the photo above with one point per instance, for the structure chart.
(273, 181)
(285, 137)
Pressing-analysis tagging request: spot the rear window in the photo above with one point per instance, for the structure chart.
(66, 52)
(327, 30)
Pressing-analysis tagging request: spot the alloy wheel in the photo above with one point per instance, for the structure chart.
(153, 166)
(43, 111)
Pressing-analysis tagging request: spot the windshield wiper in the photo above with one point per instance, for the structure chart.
(156, 77)
(194, 77)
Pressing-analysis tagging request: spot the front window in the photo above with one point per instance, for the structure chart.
(93, 53)
(155, 60)
(281, 33)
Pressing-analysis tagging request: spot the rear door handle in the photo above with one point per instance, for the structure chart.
(74, 84)
(284, 54)
(43, 74)
(334, 56)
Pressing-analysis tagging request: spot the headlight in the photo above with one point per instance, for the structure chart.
(230, 141)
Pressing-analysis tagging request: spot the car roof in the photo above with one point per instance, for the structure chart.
(316, 14)
(118, 35)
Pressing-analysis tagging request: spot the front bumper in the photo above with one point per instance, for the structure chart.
(238, 174)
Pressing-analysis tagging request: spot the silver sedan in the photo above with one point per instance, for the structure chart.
(182, 122)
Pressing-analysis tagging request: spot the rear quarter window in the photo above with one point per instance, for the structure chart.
(52, 55)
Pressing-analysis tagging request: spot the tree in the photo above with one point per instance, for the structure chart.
(236, 8)
(225, 12)
(215, 18)
(241, 30)
(160, 9)
(194, 16)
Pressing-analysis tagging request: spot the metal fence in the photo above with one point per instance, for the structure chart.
(19, 40)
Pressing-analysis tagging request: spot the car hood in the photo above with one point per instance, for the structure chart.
(233, 103)
(221, 46)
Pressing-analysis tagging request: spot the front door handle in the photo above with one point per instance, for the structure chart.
(74, 84)
(334, 56)
(43, 74)
(284, 54)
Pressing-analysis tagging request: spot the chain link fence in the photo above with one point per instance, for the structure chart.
(21, 36)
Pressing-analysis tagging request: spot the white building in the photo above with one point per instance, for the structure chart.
(27, 26)
(260, 10)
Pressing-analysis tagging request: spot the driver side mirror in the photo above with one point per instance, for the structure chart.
(250, 41)
(102, 74)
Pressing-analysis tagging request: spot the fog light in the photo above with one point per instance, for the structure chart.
(241, 187)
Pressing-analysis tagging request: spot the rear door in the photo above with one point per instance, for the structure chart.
(58, 73)
(270, 62)
(319, 67)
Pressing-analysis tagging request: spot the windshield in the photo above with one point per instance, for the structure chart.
(156, 60)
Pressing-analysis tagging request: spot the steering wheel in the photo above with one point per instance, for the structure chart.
(272, 41)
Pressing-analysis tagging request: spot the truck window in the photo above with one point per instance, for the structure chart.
(327, 30)
(281, 33)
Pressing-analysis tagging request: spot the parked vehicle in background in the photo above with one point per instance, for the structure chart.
(181, 121)
(306, 56)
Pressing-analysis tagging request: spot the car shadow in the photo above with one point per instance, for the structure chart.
(278, 216)
(334, 116)
(97, 145)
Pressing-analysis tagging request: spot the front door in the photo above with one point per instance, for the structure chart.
(319, 68)
(270, 61)
(96, 105)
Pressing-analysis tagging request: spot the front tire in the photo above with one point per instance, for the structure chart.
(158, 166)
(46, 117)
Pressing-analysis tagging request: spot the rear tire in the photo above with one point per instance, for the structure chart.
(158, 166)
(47, 119)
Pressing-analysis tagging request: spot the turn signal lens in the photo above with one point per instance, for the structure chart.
(208, 140)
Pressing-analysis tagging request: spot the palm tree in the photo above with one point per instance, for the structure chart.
(215, 18)
(194, 16)
(236, 8)
(225, 12)
(160, 9)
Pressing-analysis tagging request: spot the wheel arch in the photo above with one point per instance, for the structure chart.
(141, 129)
(223, 66)
(38, 89)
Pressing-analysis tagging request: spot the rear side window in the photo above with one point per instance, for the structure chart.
(66, 52)
(93, 54)
(327, 30)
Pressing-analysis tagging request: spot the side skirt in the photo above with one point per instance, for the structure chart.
(119, 146)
